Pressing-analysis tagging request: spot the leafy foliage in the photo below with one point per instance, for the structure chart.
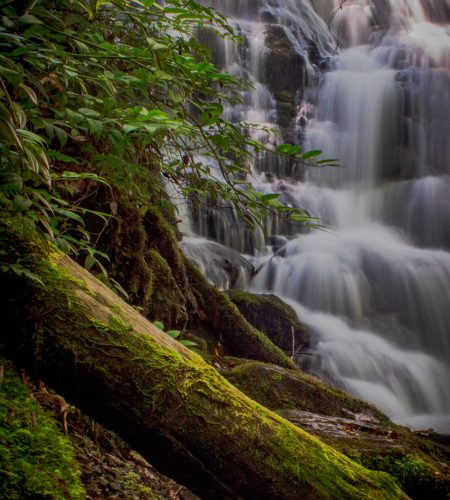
(95, 91)
(176, 334)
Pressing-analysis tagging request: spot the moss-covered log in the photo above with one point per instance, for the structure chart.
(165, 401)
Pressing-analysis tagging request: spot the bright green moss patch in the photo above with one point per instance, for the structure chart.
(36, 459)
(418, 475)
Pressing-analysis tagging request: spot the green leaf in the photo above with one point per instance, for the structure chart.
(188, 343)
(155, 45)
(61, 135)
(86, 8)
(331, 162)
(157, 114)
(283, 148)
(70, 215)
(95, 126)
(268, 197)
(89, 262)
(174, 333)
(27, 134)
(175, 96)
(29, 19)
(311, 154)
(130, 127)
(89, 112)
(159, 324)
(117, 140)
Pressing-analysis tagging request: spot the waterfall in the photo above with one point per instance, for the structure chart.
(374, 289)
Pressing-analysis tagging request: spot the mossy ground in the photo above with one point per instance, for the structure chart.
(36, 459)
(109, 467)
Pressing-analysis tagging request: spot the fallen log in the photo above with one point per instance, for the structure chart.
(75, 334)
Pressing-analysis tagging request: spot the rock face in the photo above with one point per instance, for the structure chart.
(224, 267)
(275, 318)
(284, 68)
(283, 73)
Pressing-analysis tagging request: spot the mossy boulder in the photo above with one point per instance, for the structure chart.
(218, 316)
(280, 388)
(359, 430)
(165, 401)
(269, 314)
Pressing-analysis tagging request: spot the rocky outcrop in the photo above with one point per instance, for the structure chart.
(284, 68)
(224, 267)
(269, 314)
(223, 322)
(284, 73)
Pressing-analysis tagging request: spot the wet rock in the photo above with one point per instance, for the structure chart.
(284, 72)
(284, 66)
(273, 317)
(224, 267)
(362, 424)
(278, 242)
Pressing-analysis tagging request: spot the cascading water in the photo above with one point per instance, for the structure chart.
(375, 288)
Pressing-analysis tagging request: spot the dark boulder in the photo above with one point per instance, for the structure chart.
(273, 317)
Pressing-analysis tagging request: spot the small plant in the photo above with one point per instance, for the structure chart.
(176, 334)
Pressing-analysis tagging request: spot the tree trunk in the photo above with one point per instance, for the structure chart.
(75, 334)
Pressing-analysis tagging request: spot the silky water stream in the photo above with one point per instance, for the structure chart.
(374, 288)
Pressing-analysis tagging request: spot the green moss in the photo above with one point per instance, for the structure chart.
(36, 459)
(231, 329)
(130, 484)
(418, 465)
(279, 388)
(418, 475)
(167, 300)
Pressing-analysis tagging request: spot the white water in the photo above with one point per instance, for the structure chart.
(375, 289)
